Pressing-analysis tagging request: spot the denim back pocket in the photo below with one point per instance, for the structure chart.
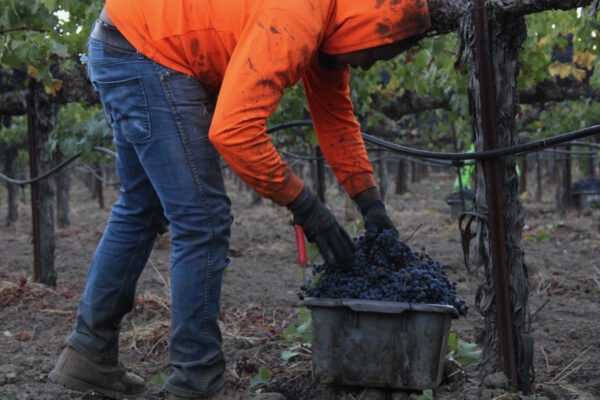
(126, 106)
(192, 106)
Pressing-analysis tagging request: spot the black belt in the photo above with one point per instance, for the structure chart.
(110, 35)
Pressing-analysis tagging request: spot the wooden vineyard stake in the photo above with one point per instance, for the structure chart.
(494, 174)
(39, 125)
(35, 189)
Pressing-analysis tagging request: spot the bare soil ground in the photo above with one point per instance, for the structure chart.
(260, 297)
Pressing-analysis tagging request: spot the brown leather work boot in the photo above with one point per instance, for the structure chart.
(77, 372)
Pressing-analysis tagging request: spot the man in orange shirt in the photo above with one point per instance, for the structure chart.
(183, 82)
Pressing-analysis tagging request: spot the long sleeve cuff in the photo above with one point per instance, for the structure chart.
(290, 190)
(357, 184)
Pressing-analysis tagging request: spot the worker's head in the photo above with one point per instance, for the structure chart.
(365, 31)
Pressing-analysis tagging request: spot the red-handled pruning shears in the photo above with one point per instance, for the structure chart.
(301, 249)
(301, 246)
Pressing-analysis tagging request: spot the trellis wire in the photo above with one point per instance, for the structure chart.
(421, 155)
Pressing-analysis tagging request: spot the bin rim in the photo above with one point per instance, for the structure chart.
(381, 307)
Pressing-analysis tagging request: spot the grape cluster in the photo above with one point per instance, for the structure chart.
(386, 269)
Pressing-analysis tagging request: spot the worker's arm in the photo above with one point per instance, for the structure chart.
(270, 56)
(338, 131)
(342, 144)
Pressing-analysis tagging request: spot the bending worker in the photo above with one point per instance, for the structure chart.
(183, 82)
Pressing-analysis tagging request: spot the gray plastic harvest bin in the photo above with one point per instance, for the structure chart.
(379, 344)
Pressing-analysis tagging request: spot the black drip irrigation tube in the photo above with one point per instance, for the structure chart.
(45, 175)
(458, 157)
(490, 154)
(433, 157)
(58, 168)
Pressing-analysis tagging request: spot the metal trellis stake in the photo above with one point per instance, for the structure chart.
(35, 186)
(494, 173)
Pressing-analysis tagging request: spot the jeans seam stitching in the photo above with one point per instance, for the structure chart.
(206, 273)
(187, 151)
(182, 136)
(147, 120)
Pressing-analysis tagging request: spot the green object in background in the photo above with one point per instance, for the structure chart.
(301, 330)
(261, 378)
(467, 174)
(463, 352)
(427, 395)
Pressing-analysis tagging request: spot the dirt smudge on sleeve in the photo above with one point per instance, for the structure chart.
(269, 84)
(251, 65)
(382, 29)
(283, 77)
(289, 33)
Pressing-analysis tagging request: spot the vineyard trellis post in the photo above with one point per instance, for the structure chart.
(563, 189)
(494, 40)
(11, 154)
(401, 176)
(414, 172)
(538, 177)
(40, 120)
(553, 166)
(591, 166)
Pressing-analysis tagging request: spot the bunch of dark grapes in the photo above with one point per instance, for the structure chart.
(386, 269)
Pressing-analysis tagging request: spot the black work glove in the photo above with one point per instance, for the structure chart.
(321, 228)
(373, 211)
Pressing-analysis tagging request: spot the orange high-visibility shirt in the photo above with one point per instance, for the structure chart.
(249, 51)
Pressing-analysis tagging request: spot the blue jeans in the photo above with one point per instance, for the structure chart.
(167, 168)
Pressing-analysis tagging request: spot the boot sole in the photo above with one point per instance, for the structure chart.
(81, 386)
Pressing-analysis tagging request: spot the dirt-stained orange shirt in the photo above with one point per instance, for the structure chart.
(249, 51)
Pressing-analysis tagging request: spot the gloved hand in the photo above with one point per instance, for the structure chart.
(373, 211)
(321, 228)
